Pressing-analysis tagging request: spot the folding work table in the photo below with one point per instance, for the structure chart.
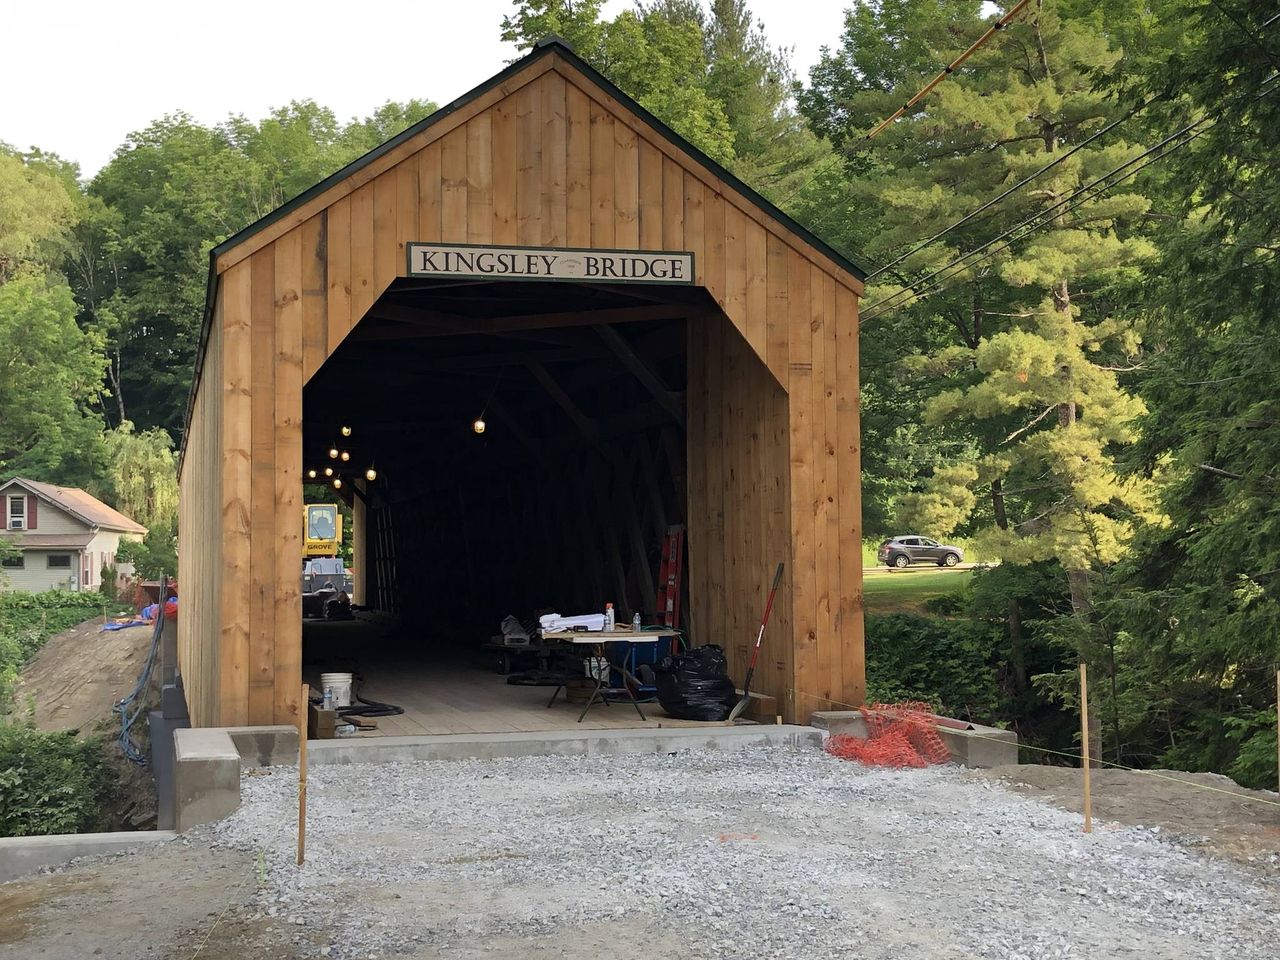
(598, 639)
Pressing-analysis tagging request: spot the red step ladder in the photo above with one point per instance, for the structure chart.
(670, 577)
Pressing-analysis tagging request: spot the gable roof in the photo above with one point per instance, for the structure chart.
(85, 508)
(548, 46)
(552, 46)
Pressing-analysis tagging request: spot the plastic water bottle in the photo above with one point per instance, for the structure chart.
(635, 623)
(328, 698)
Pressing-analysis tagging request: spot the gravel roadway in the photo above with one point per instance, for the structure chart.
(758, 853)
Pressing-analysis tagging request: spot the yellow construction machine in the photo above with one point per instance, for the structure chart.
(322, 530)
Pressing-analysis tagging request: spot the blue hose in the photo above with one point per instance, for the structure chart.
(138, 698)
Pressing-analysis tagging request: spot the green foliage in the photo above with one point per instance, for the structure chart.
(154, 554)
(1195, 607)
(52, 372)
(173, 191)
(944, 505)
(36, 213)
(657, 58)
(144, 475)
(51, 782)
(1020, 379)
(27, 620)
(948, 663)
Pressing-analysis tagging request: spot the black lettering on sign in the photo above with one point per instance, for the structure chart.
(593, 266)
(484, 263)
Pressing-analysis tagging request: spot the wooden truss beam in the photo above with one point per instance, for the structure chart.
(640, 370)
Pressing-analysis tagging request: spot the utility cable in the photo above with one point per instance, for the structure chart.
(1013, 189)
(950, 68)
(1070, 202)
(1248, 34)
(924, 92)
(958, 266)
(1021, 183)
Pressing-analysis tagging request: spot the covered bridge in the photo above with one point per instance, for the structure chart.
(649, 342)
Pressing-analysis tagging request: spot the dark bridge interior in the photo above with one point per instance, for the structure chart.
(563, 500)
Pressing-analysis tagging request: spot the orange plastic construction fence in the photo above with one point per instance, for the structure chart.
(898, 735)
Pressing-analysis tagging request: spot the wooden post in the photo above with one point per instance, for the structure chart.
(302, 772)
(1278, 728)
(1084, 741)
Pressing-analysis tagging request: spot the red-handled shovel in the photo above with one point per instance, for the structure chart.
(742, 704)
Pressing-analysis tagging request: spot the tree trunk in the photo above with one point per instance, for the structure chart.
(1078, 578)
(1017, 653)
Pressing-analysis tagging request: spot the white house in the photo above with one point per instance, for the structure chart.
(64, 536)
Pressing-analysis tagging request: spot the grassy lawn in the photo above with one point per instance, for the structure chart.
(906, 591)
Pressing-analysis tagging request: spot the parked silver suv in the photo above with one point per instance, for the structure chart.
(904, 551)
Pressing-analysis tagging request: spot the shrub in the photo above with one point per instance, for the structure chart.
(948, 663)
(27, 620)
(50, 782)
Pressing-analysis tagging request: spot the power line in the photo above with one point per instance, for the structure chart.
(1049, 166)
(1050, 210)
(1072, 201)
(1013, 189)
(924, 91)
(950, 68)
(1249, 34)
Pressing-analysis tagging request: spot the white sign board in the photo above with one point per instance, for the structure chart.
(548, 263)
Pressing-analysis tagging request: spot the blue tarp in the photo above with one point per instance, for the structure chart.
(127, 623)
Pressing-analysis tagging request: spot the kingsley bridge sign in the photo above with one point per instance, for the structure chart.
(548, 263)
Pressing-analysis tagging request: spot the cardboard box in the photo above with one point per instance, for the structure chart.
(320, 722)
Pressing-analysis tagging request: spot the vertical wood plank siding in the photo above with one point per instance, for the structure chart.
(547, 159)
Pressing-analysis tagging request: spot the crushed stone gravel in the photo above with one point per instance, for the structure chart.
(752, 853)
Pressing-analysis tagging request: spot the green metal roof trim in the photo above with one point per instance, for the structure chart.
(541, 49)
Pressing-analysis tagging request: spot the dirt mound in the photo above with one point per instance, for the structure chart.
(79, 673)
(1227, 819)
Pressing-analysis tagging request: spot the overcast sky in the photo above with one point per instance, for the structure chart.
(78, 76)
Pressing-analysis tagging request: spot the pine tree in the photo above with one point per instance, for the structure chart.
(1034, 368)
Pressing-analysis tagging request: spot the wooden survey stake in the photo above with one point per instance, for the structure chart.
(302, 774)
(1084, 743)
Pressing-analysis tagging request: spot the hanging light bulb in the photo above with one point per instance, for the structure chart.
(345, 456)
(371, 474)
(337, 483)
(311, 474)
(328, 471)
(346, 431)
(333, 453)
(478, 426)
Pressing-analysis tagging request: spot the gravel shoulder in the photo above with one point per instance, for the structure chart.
(767, 853)
(1225, 820)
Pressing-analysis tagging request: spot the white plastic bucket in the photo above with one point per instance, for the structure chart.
(339, 685)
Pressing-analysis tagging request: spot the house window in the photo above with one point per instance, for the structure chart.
(17, 513)
(14, 562)
(59, 561)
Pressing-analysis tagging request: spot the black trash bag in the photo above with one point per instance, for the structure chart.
(696, 685)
